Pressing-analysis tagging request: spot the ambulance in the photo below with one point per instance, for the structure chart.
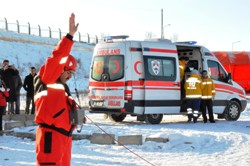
(142, 78)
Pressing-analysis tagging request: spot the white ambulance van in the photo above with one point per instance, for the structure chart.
(142, 78)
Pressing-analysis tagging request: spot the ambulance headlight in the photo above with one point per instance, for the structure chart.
(91, 103)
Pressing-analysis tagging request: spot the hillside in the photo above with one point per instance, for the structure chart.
(25, 51)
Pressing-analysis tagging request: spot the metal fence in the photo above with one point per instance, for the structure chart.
(42, 32)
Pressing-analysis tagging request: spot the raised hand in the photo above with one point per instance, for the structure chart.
(72, 26)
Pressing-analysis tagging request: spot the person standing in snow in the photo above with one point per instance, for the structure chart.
(208, 93)
(28, 85)
(193, 87)
(18, 85)
(183, 61)
(3, 95)
(54, 103)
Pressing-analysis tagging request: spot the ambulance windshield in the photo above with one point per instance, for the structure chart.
(108, 68)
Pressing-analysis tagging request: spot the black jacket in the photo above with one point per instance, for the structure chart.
(28, 85)
(18, 84)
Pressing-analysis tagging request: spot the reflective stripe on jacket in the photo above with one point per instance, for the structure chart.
(208, 90)
(193, 86)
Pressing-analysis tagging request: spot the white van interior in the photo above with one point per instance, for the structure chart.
(194, 55)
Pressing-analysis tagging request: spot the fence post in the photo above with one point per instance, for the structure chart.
(88, 38)
(39, 30)
(18, 28)
(79, 36)
(28, 28)
(6, 24)
(50, 32)
(96, 39)
(60, 34)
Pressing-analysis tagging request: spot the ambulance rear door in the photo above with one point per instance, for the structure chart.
(162, 80)
(106, 86)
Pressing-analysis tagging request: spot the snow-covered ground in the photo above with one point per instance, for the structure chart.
(221, 143)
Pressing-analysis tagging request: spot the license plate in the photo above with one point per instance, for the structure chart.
(98, 104)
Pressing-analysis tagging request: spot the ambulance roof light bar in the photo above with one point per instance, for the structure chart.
(187, 42)
(110, 38)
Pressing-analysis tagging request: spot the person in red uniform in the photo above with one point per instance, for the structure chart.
(54, 103)
(4, 93)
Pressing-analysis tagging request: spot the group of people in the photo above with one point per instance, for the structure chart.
(198, 93)
(10, 87)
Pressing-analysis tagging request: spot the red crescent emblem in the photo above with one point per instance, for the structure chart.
(135, 67)
(117, 67)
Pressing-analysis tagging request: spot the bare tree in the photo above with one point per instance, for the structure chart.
(149, 35)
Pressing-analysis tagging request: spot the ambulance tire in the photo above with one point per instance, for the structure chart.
(233, 110)
(153, 118)
(117, 117)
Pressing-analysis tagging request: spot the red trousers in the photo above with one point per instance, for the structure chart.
(52, 148)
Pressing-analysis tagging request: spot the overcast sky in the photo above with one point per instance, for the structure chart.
(216, 24)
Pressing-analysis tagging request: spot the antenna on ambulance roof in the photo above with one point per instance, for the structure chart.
(110, 38)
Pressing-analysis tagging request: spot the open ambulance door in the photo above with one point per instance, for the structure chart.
(161, 85)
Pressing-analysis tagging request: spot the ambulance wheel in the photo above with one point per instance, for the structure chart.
(117, 117)
(232, 112)
(153, 118)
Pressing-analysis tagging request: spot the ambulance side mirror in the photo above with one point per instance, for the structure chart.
(229, 78)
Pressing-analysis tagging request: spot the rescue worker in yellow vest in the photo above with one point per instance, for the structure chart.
(208, 93)
(183, 61)
(193, 87)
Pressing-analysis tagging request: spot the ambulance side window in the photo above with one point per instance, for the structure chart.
(97, 68)
(216, 71)
(160, 68)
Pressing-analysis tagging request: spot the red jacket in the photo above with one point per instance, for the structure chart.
(52, 98)
(3, 95)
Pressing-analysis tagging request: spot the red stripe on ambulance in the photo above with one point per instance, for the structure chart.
(160, 50)
(96, 84)
(228, 89)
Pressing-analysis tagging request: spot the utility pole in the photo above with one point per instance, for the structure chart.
(162, 30)
(233, 45)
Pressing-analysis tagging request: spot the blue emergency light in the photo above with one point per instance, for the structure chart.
(106, 38)
(187, 42)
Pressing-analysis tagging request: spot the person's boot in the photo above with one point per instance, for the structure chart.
(205, 119)
(189, 118)
(195, 119)
(212, 121)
